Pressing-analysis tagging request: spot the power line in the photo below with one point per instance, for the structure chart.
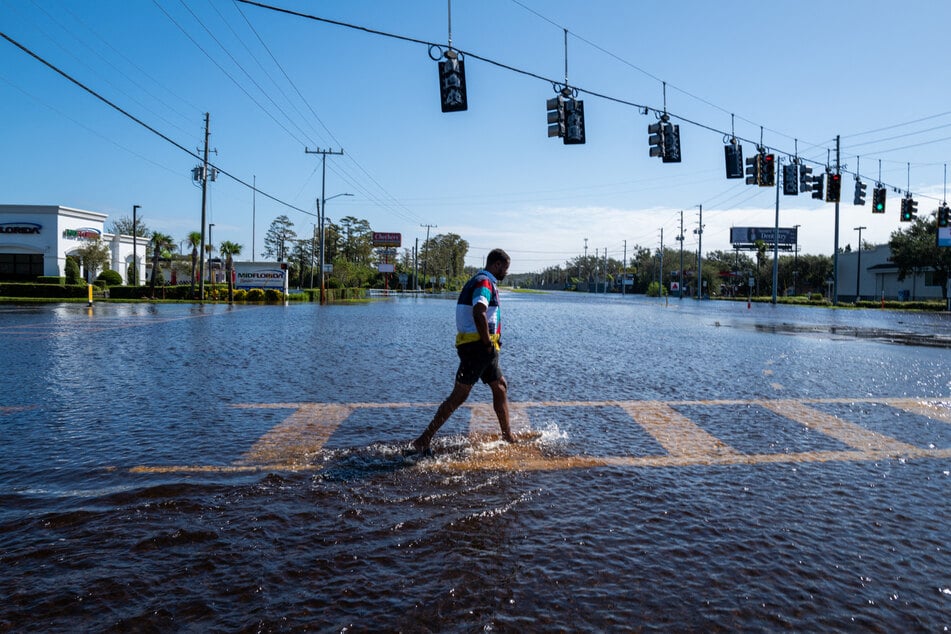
(145, 125)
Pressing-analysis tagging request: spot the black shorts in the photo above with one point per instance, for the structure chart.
(477, 361)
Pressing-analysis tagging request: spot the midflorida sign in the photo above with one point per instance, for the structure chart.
(263, 275)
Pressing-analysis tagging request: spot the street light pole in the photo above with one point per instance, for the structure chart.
(858, 267)
(135, 262)
(321, 214)
(795, 274)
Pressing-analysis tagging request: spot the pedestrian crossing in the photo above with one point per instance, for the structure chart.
(678, 439)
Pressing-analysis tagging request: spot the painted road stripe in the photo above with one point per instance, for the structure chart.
(292, 445)
(849, 433)
(679, 435)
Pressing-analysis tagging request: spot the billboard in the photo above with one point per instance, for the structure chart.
(383, 239)
(944, 236)
(746, 237)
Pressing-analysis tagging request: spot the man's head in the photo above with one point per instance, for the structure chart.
(497, 263)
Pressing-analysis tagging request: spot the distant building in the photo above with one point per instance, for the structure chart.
(879, 277)
(35, 240)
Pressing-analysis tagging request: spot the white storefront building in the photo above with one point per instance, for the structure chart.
(36, 239)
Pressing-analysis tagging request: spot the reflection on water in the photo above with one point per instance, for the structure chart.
(698, 466)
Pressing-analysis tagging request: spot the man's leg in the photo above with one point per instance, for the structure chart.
(460, 392)
(500, 403)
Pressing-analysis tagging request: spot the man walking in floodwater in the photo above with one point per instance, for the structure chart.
(478, 339)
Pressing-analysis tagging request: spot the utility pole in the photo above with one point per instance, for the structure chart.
(204, 199)
(135, 261)
(699, 232)
(416, 265)
(835, 252)
(680, 239)
(320, 211)
(254, 204)
(776, 238)
(605, 270)
(426, 252)
(660, 276)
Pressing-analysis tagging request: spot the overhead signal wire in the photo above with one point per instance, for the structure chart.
(145, 125)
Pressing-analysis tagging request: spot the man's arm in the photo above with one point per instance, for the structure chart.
(481, 323)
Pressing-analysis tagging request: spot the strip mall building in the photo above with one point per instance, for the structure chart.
(35, 240)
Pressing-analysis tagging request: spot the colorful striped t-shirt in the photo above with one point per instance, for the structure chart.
(480, 289)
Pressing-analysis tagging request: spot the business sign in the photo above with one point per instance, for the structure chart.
(386, 268)
(263, 275)
(381, 239)
(82, 234)
(944, 236)
(20, 228)
(747, 237)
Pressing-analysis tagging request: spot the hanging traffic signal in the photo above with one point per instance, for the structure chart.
(909, 207)
(452, 83)
(790, 179)
(656, 139)
(671, 143)
(556, 116)
(574, 122)
(944, 216)
(733, 153)
(754, 166)
(817, 186)
(859, 192)
(878, 199)
(805, 178)
(834, 189)
(767, 170)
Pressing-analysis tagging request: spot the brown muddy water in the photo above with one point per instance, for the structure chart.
(697, 466)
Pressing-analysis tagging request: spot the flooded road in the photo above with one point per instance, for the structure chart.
(691, 466)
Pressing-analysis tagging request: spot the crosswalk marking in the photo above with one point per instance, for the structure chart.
(293, 443)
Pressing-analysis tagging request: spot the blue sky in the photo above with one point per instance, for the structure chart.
(873, 72)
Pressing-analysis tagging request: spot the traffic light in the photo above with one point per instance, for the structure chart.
(452, 83)
(754, 166)
(805, 178)
(859, 192)
(790, 179)
(909, 207)
(878, 200)
(817, 186)
(657, 142)
(733, 153)
(574, 122)
(767, 170)
(944, 216)
(671, 143)
(556, 116)
(834, 189)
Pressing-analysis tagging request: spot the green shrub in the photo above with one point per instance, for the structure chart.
(110, 277)
(240, 295)
(72, 271)
(51, 279)
(273, 296)
(255, 295)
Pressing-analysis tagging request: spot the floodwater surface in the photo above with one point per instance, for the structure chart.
(682, 466)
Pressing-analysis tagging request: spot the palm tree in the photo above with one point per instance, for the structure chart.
(194, 240)
(229, 249)
(160, 242)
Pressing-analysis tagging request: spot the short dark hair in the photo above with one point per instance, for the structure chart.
(497, 255)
